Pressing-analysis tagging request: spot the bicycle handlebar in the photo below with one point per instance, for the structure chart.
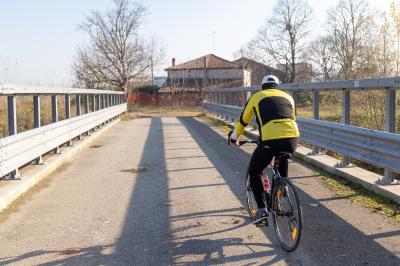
(242, 142)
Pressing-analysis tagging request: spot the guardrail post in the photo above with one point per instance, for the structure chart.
(98, 102)
(68, 112)
(315, 109)
(78, 109)
(390, 125)
(12, 125)
(12, 115)
(346, 120)
(86, 107)
(36, 111)
(54, 116)
(36, 120)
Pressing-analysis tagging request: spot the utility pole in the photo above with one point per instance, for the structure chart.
(152, 70)
(213, 40)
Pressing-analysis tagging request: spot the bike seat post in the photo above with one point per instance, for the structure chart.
(276, 162)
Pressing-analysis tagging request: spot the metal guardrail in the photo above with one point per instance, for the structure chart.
(17, 150)
(238, 97)
(12, 89)
(374, 147)
(378, 83)
(20, 149)
(371, 146)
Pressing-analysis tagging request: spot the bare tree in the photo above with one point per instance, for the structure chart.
(320, 53)
(282, 39)
(395, 12)
(350, 25)
(116, 54)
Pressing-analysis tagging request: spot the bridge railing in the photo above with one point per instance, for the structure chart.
(374, 147)
(19, 149)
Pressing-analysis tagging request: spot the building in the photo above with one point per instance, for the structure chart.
(253, 71)
(303, 71)
(204, 71)
(212, 71)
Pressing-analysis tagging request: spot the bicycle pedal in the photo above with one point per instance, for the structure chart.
(261, 223)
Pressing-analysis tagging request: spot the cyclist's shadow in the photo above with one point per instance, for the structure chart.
(213, 251)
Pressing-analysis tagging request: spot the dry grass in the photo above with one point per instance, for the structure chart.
(374, 202)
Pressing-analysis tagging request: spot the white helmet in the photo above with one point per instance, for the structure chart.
(270, 79)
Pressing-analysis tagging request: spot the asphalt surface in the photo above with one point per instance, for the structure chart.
(169, 191)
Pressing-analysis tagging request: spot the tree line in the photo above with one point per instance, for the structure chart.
(357, 42)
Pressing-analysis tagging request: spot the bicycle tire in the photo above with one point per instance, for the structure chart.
(294, 233)
(251, 204)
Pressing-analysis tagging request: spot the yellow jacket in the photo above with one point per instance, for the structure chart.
(275, 115)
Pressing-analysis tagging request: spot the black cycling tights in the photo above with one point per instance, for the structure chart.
(262, 157)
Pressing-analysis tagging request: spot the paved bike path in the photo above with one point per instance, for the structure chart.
(159, 191)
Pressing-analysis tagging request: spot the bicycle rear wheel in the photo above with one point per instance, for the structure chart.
(250, 200)
(287, 214)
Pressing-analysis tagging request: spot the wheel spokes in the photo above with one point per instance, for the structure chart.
(287, 216)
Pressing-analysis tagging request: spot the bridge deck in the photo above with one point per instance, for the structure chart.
(168, 190)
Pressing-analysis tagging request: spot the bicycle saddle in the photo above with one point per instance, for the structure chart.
(283, 155)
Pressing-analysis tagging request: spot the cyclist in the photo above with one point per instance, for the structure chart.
(275, 115)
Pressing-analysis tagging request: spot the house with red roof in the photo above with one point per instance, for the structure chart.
(204, 71)
(211, 70)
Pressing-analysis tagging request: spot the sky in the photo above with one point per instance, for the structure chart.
(38, 38)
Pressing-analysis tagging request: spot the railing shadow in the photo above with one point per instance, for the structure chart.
(145, 234)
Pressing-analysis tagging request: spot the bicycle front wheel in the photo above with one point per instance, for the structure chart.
(287, 214)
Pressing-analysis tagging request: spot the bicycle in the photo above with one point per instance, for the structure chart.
(283, 203)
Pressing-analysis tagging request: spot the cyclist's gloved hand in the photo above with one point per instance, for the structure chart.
(232, 138)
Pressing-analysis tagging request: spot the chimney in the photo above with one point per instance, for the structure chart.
(173, 61)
